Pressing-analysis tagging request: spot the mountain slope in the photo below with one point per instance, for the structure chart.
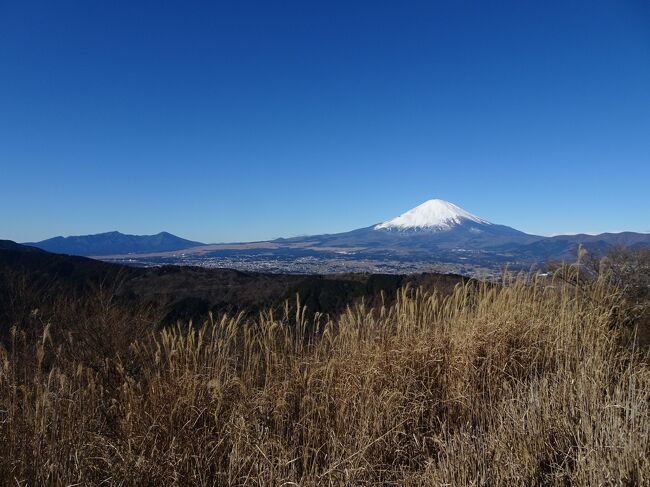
(182, 293)
(114, 243)
(11, 245)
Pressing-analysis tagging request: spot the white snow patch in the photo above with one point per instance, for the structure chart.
(432, 214)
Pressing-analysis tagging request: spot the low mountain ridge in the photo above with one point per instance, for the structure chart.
(114, 243)
(564, 247)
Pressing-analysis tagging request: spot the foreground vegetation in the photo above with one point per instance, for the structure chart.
(525, 383)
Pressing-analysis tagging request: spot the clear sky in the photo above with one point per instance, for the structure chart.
(239, 120)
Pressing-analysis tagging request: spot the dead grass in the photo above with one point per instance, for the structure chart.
(524, 384)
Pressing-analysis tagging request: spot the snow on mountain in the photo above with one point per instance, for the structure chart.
(431, 215)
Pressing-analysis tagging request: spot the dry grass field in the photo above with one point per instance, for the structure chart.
(525, 383)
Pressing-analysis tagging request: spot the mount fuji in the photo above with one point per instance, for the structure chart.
(430, 227)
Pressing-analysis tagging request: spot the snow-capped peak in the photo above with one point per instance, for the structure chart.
(433, 214)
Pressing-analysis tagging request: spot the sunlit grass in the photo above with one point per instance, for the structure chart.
(520, 384)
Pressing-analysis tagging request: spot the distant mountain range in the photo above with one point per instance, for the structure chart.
(434, 232)
(114, 243)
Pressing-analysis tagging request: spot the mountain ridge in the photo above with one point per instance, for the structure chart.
(112, 242)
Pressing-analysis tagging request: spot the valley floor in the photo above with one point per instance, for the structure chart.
(318, 264)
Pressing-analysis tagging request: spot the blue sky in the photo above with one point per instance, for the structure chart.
(225, 121)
